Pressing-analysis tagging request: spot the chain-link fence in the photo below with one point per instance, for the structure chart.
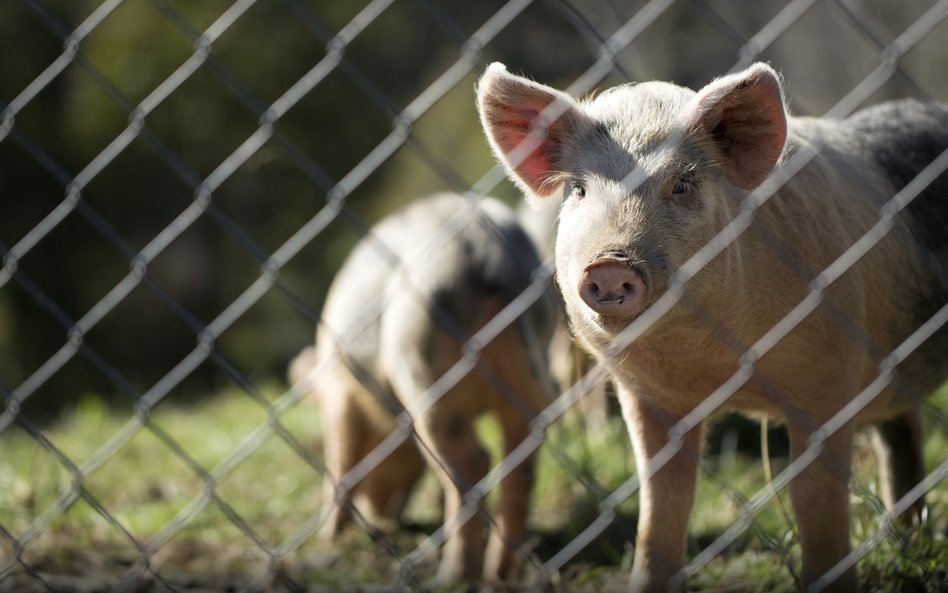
(180, 183)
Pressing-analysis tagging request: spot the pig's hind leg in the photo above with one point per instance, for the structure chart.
(448, 438)
(415, 356)
(898, 446)
(516, 369)
(388, 486)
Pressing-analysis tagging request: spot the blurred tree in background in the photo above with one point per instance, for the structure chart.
(283, 185)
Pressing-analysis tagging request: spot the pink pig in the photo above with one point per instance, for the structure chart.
(649, 174)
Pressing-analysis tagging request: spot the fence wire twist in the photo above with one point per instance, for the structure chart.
(471, 50)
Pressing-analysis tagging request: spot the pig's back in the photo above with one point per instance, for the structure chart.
(902, 138)
(439, 248)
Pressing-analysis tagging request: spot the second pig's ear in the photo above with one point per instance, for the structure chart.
(527, 125)
(745, 117)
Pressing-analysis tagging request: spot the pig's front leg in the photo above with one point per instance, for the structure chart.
(666, 494)
(820, 497)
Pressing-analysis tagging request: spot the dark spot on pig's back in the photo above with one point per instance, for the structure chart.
(904, 137)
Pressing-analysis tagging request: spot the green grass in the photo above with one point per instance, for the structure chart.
(157, 499)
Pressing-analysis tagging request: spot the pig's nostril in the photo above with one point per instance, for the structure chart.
(628, 290)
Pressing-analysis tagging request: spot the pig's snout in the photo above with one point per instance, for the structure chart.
(612, 287)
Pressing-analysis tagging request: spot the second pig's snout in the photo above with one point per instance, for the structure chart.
(612, 287)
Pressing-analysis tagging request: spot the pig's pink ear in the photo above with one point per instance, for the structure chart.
(744, 115)
(511, 107)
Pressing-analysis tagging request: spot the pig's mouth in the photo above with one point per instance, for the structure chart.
(614, 287)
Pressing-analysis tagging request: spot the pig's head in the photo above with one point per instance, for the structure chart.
(648, 173)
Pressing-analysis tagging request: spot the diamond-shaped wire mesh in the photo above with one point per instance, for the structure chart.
(179, 184)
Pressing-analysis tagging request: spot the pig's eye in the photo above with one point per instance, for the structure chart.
(576, 190)
(681, 188)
